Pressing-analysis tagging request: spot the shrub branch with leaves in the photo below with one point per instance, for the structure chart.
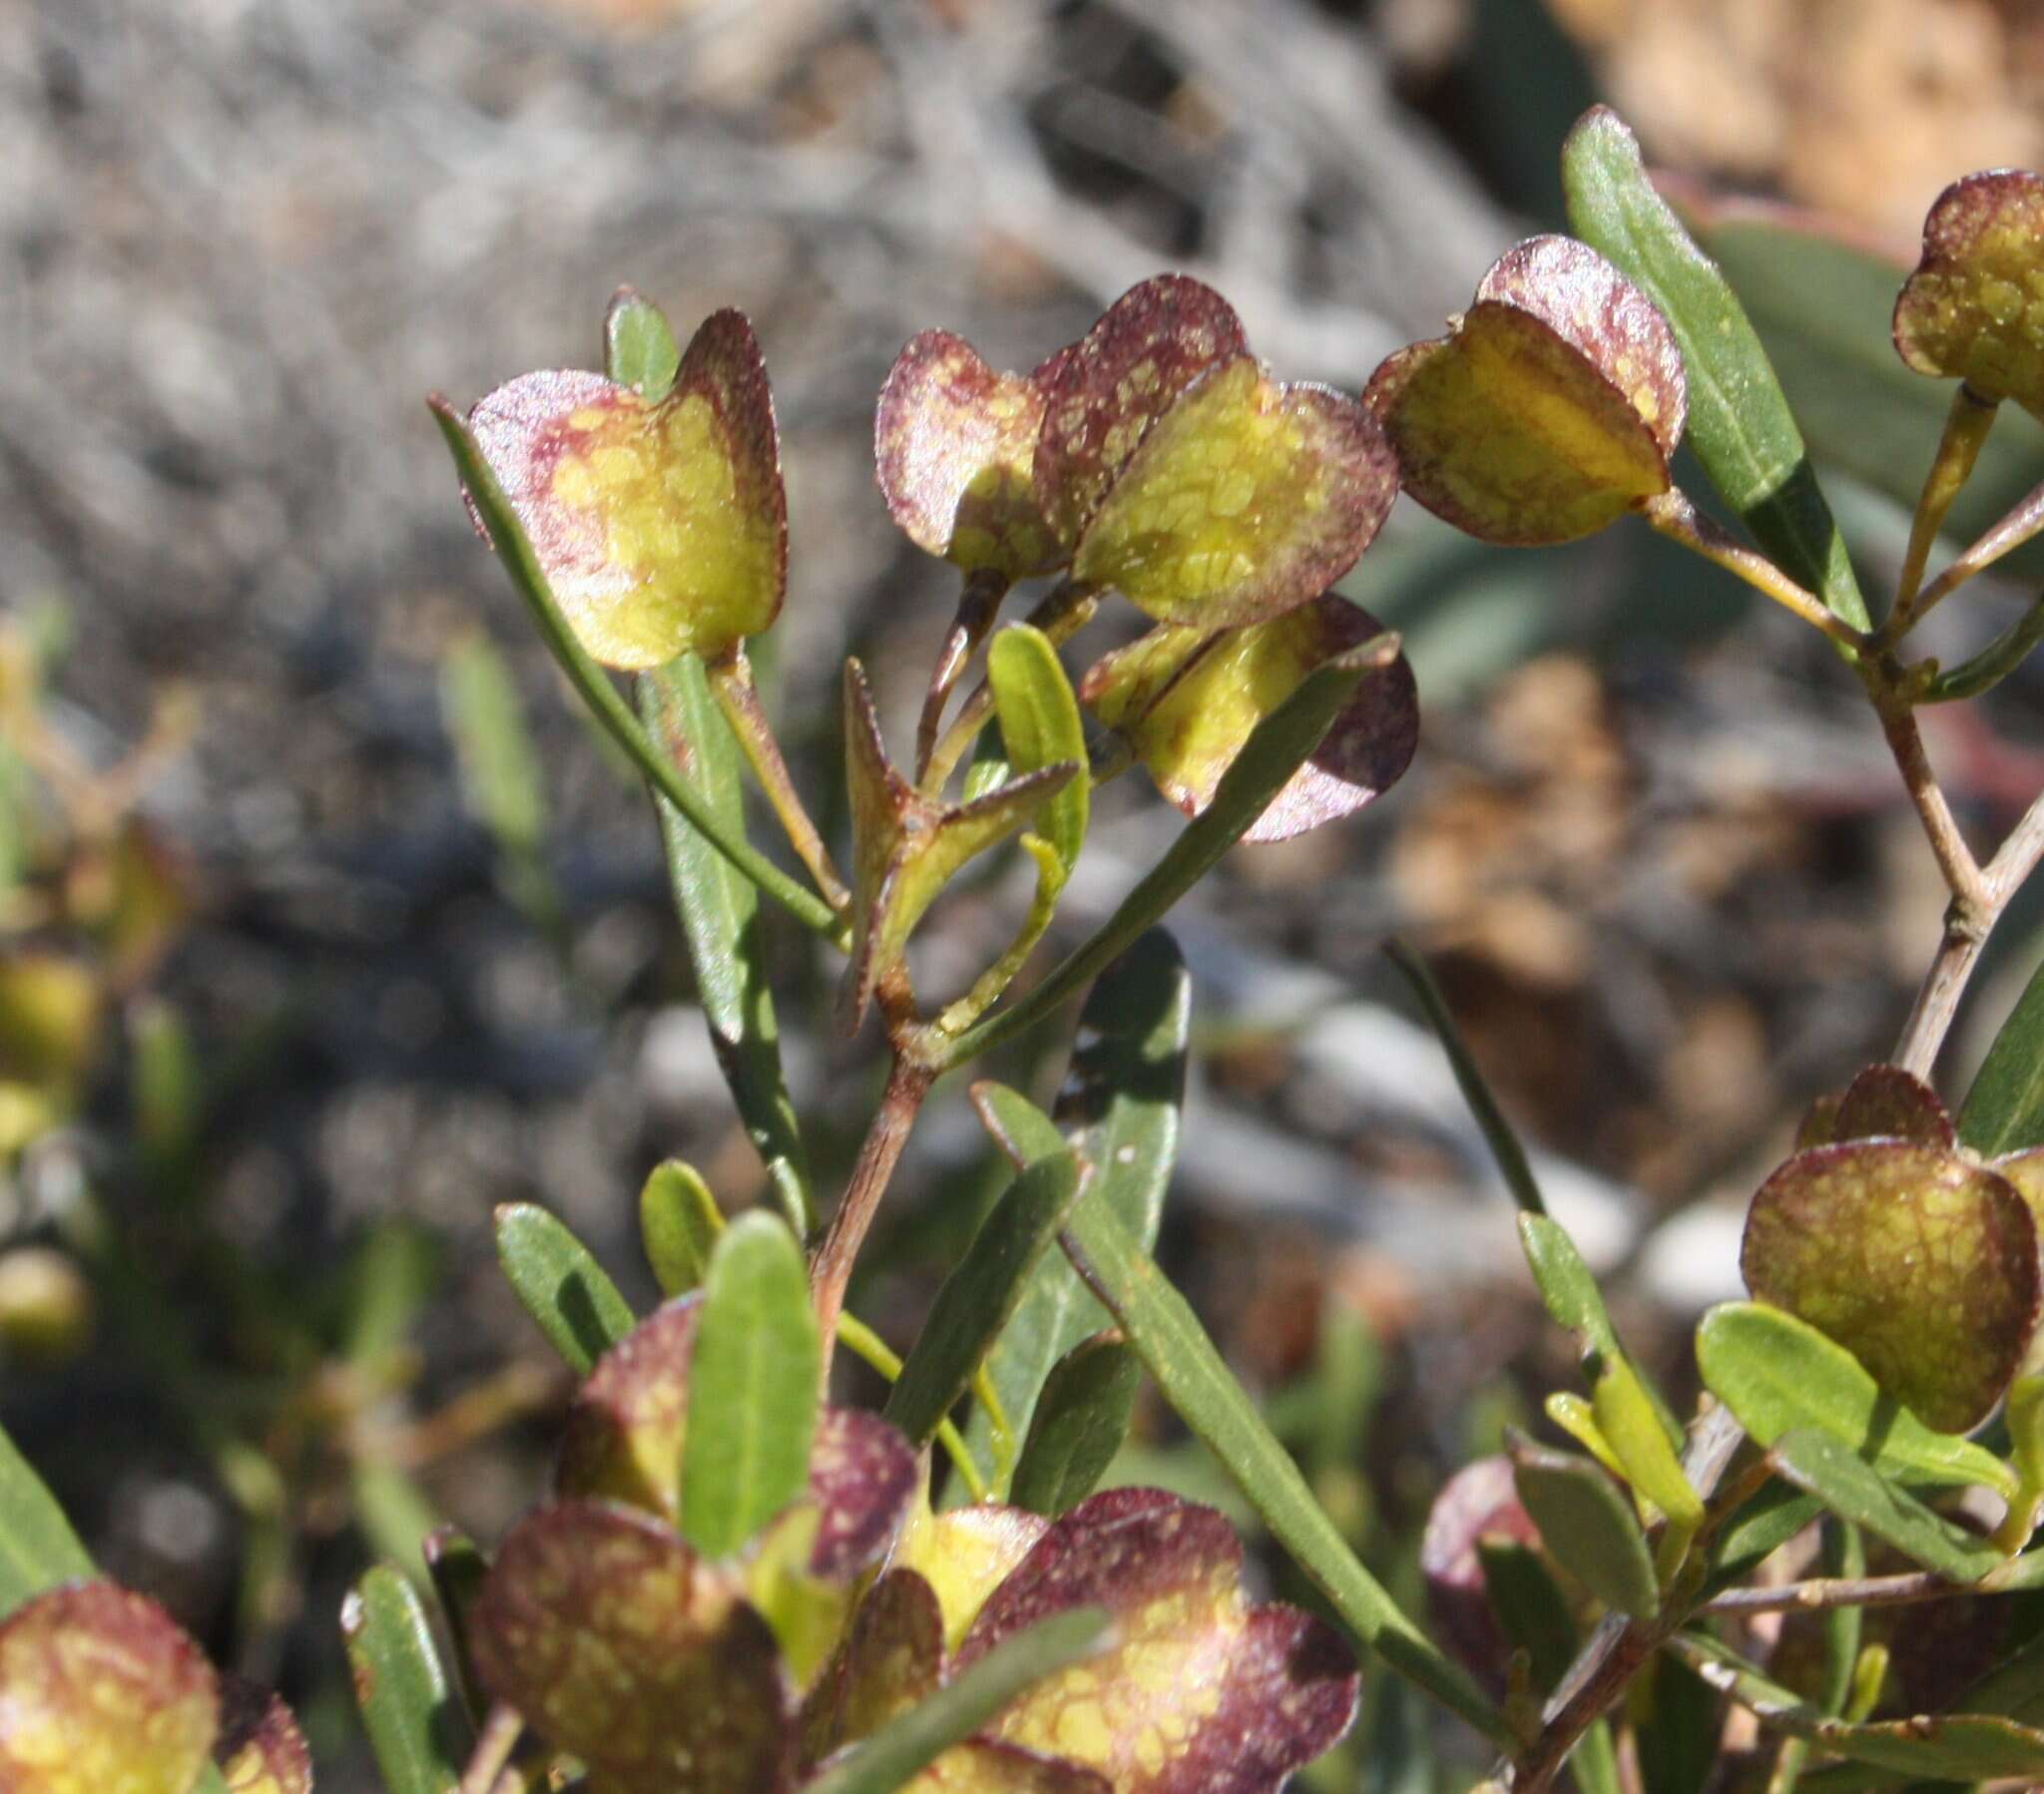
(734, 1585)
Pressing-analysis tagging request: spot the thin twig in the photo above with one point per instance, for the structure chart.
(493, 1748)
(2018, 524)
(1903, 1590)
(1965, 430)
(831, 1269)
(731, 677)
(978, 604)
(1673, 513)
(1062, 612)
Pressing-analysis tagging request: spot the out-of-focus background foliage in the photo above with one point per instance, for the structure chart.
(325, 925)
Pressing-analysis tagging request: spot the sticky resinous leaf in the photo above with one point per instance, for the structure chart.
(1200, 1690)
(661, 524)
(101, 1689)
(1921, 1263)
(1244, 499)
(907, 846)
(1187, 702)
(1551, 409)
(954, 449)
(1973, 310)
(620, 1646)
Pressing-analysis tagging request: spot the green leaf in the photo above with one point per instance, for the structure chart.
(1822, 301)
(893, 1755)
(1587, 1522)
(639, 347)
(1760, 1528)
(1776, 1373)
(2004, 1111)
(983, 1291)
(391, 1276)
(1739, 424)
(1947, 1747)
(752, 1386)
(409, 1707)
(455, 1566)
(1498, 1133)
(38, 1549)
(720, 912)
(1626, 1416)
(1568, 1289)
(679, 1224)
(1853, 1489)
(562, 1286)
(1529, 1605)
(507, 536)
(1276, 750)
(1040, 727)
(1120, 1109)
(1162, 1329)
(1678, 1727)
(1080, 1422)
(500, 775)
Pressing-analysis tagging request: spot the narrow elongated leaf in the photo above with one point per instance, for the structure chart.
(752, 1386)
(501, 782)
(886, 1760)
(1853, 1489)
(2004, 1111)
(1589, 1526)
(1162, 1329)
(1568, 1288)
(562, 1286)
(456, 1568)
(984, 1290)
(1760, 1528)
(410, 1706)
(1626, 1417)
(1080, 1422)
(1739, 424)
(1948, 1747)
(1776, 1373)
(1120, 1108)
(720, 912)
(1040, 727)
(38, 1549)
(679, 1222)
(1276, 750)
(639, 347)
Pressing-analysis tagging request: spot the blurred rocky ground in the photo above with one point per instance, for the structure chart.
(1655, 848)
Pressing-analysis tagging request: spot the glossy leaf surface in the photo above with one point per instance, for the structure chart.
(1973, 310)
(1853, 1489)
(1244, 499)
(752, 1386)
(620, 1645)
(1199, 1692)
(408, 1702)
(660, 525)
(560, 1284)
(1739, 424)
(1187, 703)
(1776, 1373)
(103, 1690)
(2005, 1110)
(1923, 1267)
